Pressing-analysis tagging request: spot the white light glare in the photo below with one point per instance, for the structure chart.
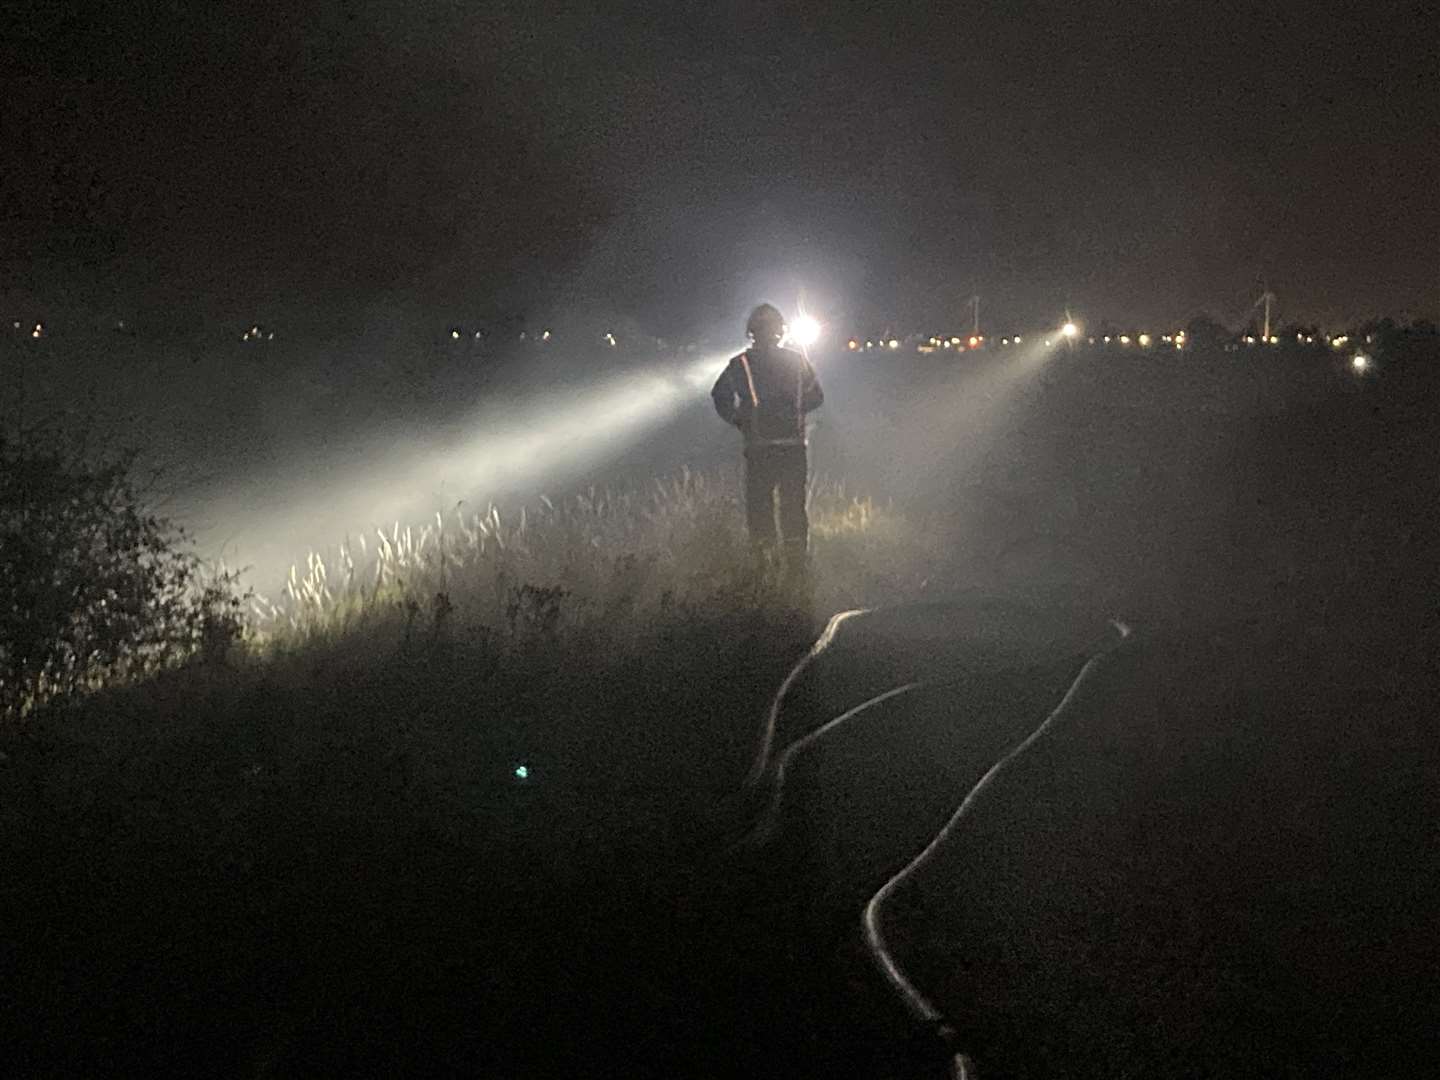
(805, 331)
(1069, 330)
(1360, 362)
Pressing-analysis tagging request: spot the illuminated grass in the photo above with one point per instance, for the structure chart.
(614, 559)
(614, 648)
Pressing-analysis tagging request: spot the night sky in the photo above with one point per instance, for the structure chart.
(673, 161)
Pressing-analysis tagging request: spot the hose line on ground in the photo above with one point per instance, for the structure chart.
(916, 1003)
(772, 716)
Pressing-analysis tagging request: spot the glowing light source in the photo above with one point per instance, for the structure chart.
(522, 772)
(1070, 330)
(545, 336)
(1017, 339)
(39, 329)
(852, 344)
(804, 331)
(1144, 341)
(1124, 339)
(974, 342)
(455, 335)
(1360, 362)
(894, 343)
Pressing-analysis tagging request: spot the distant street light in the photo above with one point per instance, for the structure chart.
(1361, 362)
(1069, 330)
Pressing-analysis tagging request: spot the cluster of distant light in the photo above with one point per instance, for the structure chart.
(458, 333)
(932, 343)
(806, 331)
(1142, 339)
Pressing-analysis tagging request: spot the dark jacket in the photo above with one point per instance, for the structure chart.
(766, 392)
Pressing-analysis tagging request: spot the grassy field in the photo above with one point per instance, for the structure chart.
(450, 743)
(457, 803)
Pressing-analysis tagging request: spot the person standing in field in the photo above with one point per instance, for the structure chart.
(766, 392)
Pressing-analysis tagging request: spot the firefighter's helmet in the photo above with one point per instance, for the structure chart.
(766, 326)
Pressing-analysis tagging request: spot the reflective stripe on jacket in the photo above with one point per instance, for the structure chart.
(766, 392)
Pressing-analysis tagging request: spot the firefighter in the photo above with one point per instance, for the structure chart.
(766, 392)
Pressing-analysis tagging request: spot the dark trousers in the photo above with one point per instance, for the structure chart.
(771, 469)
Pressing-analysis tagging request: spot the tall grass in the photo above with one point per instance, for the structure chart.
(605, 561)
(620, 643)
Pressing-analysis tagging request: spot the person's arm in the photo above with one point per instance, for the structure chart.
(724, 396)
(811, 396)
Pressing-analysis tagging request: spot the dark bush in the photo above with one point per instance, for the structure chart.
(93, 586)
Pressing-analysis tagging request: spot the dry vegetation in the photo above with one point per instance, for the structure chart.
(406, 676)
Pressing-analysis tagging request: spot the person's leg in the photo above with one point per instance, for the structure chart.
(760, 480)
(794, 520)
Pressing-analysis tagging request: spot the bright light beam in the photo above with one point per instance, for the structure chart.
(516, 445)
(804, 331)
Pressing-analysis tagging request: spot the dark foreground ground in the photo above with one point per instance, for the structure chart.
(1222, 860)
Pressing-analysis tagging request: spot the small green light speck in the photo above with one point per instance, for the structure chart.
(521, 772)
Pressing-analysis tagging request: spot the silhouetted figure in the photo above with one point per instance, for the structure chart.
(766, 392)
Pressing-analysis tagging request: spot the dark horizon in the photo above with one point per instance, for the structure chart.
(1142, 164)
